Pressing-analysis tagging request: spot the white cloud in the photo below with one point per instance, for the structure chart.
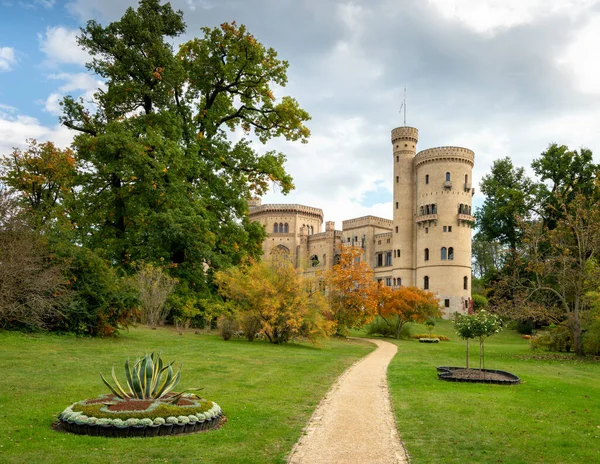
(46, 3)
(489, 16)
(7, 58)
(60, 46)
(86, 84)
(581, 58)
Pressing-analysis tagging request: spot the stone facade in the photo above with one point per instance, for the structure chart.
(428, 242)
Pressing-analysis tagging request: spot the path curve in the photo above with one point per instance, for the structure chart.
(354, 423)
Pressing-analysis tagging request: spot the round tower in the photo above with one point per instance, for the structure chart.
(404, 144)
(443, 220)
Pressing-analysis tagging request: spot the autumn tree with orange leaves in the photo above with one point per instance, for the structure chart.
(406, 304)
(351, 291)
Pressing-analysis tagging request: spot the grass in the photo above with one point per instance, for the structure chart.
(268, 393)
(551, 417)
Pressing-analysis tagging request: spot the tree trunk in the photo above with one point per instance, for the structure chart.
(467, 353)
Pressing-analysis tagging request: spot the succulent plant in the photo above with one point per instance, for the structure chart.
(159, 421)
(146, 421)
(172, 420)
(145, 379)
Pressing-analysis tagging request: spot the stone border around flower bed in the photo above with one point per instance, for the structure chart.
(445, 373)
(146, 431)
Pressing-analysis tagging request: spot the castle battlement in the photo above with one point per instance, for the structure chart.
(287, 209)
(405, 133)
(445, 154)
(367, 221)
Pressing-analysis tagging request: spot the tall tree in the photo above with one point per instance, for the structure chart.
(160, 178)
(510, 196)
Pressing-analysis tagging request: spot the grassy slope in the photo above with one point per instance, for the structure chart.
(267, 392)
(552, 417)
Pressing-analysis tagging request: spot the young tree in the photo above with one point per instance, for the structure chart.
(154, 287)
(408, 304)
(351, 291)
(285, 303)
(480, 325)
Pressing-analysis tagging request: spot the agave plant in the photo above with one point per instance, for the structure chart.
(147, 379)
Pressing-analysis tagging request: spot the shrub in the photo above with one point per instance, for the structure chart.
(250, 324)
(591, 339)
(154, 288)
(556, 338)
(380, 327)
(227, 325)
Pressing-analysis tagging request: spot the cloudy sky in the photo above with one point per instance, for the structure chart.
(501, 77)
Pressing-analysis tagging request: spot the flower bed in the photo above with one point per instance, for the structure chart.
(429, 340)
(461, 374)
(111, 416)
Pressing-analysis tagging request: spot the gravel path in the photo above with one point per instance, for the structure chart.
(354, 423)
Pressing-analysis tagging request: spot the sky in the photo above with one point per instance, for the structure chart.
(501, 77)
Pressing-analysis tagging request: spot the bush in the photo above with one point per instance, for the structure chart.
(228, 325)
(379, 327)
(250, 325)
(591, 339)
(557, 338)
(479, 302)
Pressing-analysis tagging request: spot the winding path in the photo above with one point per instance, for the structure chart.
(354, 423)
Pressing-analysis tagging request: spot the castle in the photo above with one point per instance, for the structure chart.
(428, 242)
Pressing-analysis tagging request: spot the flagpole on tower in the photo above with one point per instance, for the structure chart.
(403, 106)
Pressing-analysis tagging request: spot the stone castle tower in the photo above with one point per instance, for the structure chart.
(427, 243)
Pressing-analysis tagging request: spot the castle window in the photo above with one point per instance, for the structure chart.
(466, 178)
(447, 303)
(378, 242)
(379, 259)
(426, 282)
(286, 228)
(398, 281)
(426, 254)
(449, 228)
(465, 283)
(388, 281)
(396, 229)
(397, 179)
(388, 258)
(396, 205)
(314, 260)
(426, 230)
(426, 178)
(447, 177)
(398, 253)
(397, 158)
(460, 209)
(422, 211)
(445, 229)
(275, 228)
(427, 210)
(444, 254)
(450, 253)
(434, 209)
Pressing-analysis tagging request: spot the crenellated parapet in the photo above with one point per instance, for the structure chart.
(367, 221)
(287, 209)
(445, 154)
(405, 133)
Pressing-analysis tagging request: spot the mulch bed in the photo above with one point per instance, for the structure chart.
(461, 374)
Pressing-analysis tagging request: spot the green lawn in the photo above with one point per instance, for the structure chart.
(267, 392)
(553, 416)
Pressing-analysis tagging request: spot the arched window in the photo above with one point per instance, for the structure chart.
(397, 158)
(447, 177)
(460, 209)
(280, 254)
(434, 209)
(466, 178)
(397, 179)
(275, 228)
(444, 253)
(450, 253)
(426, 178)
(427, 209)
(426, 282)
(314, 260)
(286, 228)
(398, 281)
(426, 254)
(281, 227)
(465, 282)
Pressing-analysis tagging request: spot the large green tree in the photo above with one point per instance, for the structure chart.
(160, 178)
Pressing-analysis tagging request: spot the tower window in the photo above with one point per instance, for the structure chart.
(286, 228)
(396, 205)
(447, 177)
(426, 178)
(446, 303)
(450, 253)
(426, 254)
(379, 259)
(466, 178)
(465, 283)
(275, 228)
(426, 282)
(445, 229)
(396, 229)
(426, 230)
(397, 179)
(444, 254)
(398, 281)
(398, 253)
(397, 158)
(388, 258)
(449, 228)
